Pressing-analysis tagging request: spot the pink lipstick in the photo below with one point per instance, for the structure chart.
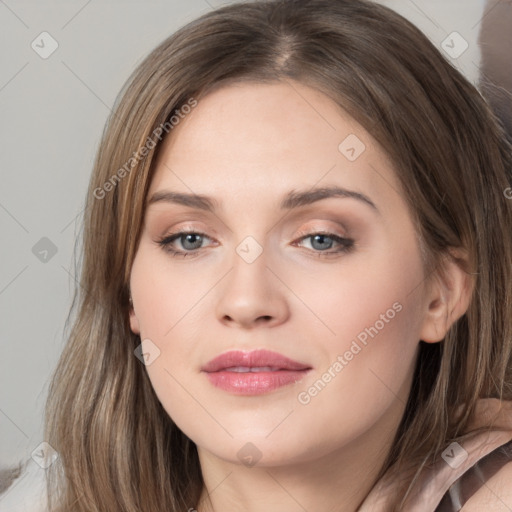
(253, 373)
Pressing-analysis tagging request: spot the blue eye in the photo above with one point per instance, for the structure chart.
(186, 238)
(191, 241)
(318, 241)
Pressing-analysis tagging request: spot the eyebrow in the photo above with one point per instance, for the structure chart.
(294, 199)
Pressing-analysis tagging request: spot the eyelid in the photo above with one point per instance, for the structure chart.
(186, 230)
(310, 229)
(332, 227)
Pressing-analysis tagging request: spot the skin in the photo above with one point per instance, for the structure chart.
(323, 455)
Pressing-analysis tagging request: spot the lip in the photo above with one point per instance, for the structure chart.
(255, 358)
(275, 371)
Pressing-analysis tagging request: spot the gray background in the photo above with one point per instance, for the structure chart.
(52, 114)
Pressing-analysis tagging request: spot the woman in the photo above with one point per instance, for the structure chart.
(222, 358)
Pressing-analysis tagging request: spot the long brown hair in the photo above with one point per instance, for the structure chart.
(119, 449)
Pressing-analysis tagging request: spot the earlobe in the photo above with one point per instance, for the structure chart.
(448, 297)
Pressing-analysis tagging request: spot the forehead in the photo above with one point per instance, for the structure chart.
(247, 114)
(270, 137)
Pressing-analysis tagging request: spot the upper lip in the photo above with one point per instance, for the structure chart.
(255, 358)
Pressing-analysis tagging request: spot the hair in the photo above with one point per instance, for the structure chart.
(495, 40)
(118, 448)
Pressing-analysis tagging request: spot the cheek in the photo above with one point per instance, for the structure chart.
(363, 292)
(367, 371)
(168, 306)
(377, 320)
(163, 295)
(371, 306)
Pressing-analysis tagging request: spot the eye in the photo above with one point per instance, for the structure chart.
(322, 241)
(191, 241)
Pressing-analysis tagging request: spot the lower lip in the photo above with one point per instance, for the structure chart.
(254, 383)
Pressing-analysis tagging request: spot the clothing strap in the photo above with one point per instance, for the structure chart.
(471, 480)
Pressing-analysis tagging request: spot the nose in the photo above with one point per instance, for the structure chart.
(252, 295)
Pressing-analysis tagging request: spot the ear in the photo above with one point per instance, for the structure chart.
(448, 297)
(134, 322)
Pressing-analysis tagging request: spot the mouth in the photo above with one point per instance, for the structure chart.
(253, 373)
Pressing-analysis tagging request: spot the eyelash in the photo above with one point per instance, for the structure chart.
(347, 244)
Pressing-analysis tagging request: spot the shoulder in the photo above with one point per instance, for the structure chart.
(27, 492)
(495, 495)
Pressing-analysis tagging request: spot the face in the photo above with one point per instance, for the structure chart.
(332, 282)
